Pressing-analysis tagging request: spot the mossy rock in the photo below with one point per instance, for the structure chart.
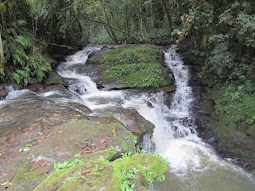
(135, 66)
(52, 79)
(93, 138)
(98, 174)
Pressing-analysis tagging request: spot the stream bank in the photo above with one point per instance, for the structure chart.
(230, 142)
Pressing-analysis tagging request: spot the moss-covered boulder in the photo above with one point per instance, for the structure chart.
(97, 173)
(134, 66)
(28, 157)
(52, 79)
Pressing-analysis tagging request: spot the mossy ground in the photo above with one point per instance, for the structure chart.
(106, 175)
(135, 66)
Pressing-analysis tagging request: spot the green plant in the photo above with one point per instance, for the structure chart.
(77, 158)
(126, 185)
(26, 148)
(140, 151)
(66, 164)
(123, 155)
(77, 175)
(59, 166)
(114, 149)
(104, 159)
(102, 189)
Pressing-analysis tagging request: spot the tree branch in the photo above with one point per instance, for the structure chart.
(101, 22)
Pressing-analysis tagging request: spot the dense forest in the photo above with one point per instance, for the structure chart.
(220, 34)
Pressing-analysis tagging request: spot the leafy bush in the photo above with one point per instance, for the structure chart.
(26, 64)
(235, 105)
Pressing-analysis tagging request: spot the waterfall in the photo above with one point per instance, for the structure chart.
(193, 164)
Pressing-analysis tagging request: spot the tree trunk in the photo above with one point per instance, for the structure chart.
(3, 10)
(168, 18)
(108, 23)
(1, 54)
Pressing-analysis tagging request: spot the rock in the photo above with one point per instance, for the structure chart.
(131, 67)
(53, 62)
(134, 122)
(169, 89)
(35, 87)
(62, 134)
(51, 87)
(92, 59)
(52, 79)
(106, 176)
(3, 93)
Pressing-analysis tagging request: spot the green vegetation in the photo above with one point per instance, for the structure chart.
(133, 172)
(234, 107)
(137, 66)
(219, 35)
(66, 164)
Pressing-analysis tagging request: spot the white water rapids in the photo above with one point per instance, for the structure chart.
(193, 164)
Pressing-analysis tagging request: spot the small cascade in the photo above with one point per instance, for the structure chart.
(193, 165)
(83, 86)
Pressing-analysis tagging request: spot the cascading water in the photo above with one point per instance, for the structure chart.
(193, 164)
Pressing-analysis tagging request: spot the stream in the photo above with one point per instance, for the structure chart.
(193, 164)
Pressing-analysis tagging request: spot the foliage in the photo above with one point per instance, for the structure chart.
(77, 175)
(222, 34)
(23, 60)
(235, 105)
(126, 185)
(115, 149)
(66, 164)
(123, 155)
(26, 148)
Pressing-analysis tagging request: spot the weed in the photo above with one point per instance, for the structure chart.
(115, 149)
(101, 157)
(66, 164)
(26, 148)
(123, 155)
(77, 175)
(126, 185)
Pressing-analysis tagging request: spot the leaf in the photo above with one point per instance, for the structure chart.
(16, 77)
(26, 149)
(38, 159)
(85, 172)
(102, 140)
(22, 40)
(23, 73)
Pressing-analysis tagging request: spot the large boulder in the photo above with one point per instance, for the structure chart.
(139, 66)
(133, 122)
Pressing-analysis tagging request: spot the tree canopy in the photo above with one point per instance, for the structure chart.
(221, 32)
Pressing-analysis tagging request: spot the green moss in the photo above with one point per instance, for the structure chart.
(137, 66)
(52, 79)
(27, 179)
(106, 174)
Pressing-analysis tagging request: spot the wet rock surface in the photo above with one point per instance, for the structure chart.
(134, 122)
(3, 93)
(35, 133)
